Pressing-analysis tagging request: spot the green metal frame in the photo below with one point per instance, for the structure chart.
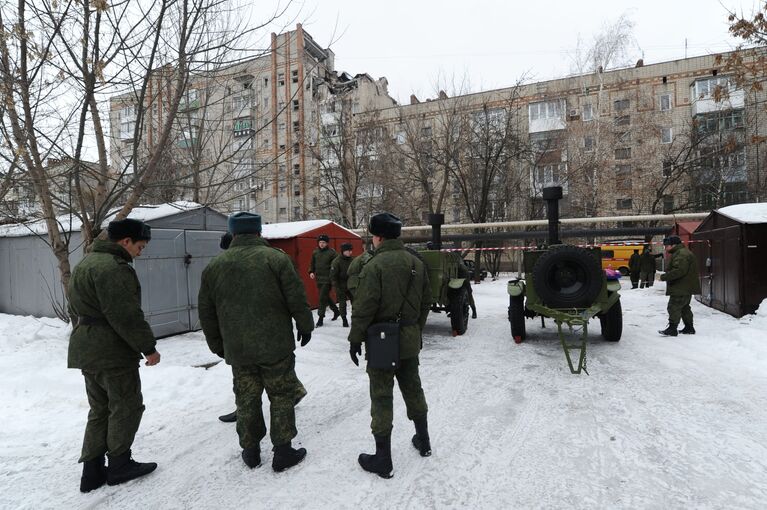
(571, 317)
(443, 275)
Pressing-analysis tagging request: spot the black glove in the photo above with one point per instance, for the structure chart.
(303, 338)
(354, 351)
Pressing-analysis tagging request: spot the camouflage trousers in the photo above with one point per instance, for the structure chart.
(279, 381)
(679, 308)
(325, 299)
(116, 406)
(647, 279)
(342, 294)
(381, 395)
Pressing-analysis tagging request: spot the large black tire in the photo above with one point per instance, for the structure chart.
(517, 318)
(567, 277)
(459, 310)
(612, 323)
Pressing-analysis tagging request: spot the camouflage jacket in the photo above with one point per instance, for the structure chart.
(249, 297)
(383, 292)
(339, 271)
(321, 260)
(104, 289)
(681, 276)
(355, 268)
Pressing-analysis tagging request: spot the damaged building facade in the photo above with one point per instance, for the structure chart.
(290, 137)
(248, 137)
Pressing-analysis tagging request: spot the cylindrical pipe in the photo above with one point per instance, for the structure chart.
(436, 220)
(551, 195)
(542, 234)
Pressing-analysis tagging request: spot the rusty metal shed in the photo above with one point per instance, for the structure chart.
(731, 248)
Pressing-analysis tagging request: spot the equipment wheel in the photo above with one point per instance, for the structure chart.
(517, 318)
(612, 323)
(459, 311)
(567, 277)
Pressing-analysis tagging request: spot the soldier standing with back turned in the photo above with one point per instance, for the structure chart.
(646, 268)
(635, 262)
(253, 332)
(393, 282)
(108, 339)
(319, 271)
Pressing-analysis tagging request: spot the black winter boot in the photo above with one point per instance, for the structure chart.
(94, 474)
(688, 330)
(473, 312)
(285, 456)
(345, 322)
(669, 331)
(252, 457)
(336, 314)
(229, 418)
(421, 437)
(122, 468)
(319, 322)
(380, 463)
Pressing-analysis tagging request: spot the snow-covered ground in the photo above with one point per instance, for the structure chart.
(660, 422)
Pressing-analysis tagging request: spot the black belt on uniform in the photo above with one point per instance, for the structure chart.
(84, 320)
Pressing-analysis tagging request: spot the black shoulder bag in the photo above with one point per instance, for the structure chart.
(382, 344)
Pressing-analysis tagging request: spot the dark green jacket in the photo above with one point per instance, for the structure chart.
(381, 295)
(248, 296)
(635, 262)
(321, 260)
(647, 262)
(681, 277)
(355, 268)
(104, 287)
(339, 271)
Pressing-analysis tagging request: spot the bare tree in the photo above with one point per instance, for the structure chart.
(60, 62)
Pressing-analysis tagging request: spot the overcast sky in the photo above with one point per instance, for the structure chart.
(492, 42)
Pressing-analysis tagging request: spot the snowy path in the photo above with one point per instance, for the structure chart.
(660, 422)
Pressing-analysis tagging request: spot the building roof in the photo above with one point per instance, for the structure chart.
(71, 223)
(296, 228)
(746, 213)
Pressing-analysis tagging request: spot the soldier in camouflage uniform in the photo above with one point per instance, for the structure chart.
(682, 282)
(108, 339)
(226, 240)
(393, 280)
(253, 332)
(339, 277)
(355, 268)
(319, 271)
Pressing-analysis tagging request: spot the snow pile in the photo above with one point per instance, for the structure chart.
(746, 213)
(70, 223)
(659, 423)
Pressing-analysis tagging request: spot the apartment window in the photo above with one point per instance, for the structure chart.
(400, 137)
(281, 79)
(720, 121)
(281, 126)
(296, 148)
(665, 102)
(623, 170)
(296, 190)
(266, 82)
(623, 153)
(295, 105)
(283, 211)
(668, 204)
(588, 112)
(623, 204)
(282, 147)
(623, 136)
(708, 86)
(665, 135)
(265, 143)
(297, 169)
(547, 109)
(588, 143)
(623, 184)
(296, 126)
(266, 103)
(668, 168)
(280, 106)
(294, 75)
(296, 212)
(620, 105)
(623, 120)
(240, 103)
(426, 131)
(550, 175)
(127, 118)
